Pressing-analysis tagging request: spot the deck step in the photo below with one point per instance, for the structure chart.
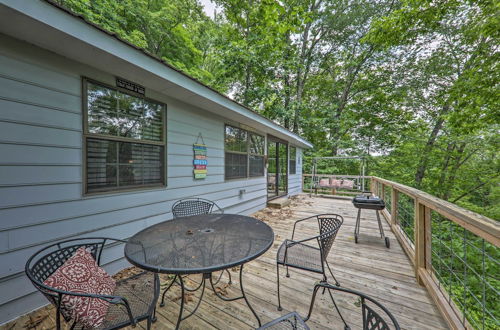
(279, 203)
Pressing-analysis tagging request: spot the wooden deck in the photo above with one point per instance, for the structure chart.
(385, 274)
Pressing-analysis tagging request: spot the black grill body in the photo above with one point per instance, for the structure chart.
(368, 202)
(371, 203)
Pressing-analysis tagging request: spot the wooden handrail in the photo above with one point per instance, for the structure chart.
(419, 247)
(478, 224)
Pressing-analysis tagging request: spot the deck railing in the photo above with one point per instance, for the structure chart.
(455, 253)
(359, 181)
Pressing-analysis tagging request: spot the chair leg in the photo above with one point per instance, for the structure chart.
(331, 273)
(278, 280)
(229, 274)
(58, 313)
(287, 273)
(148, 327)
(338, 310)
(325, 280)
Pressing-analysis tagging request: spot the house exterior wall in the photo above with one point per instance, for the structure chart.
(41, 185)
(295, 180)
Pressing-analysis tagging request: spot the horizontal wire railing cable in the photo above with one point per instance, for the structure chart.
(405, 216)
(457, 249)
(387, 198)
(467, 272)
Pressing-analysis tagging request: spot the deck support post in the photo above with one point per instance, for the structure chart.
(394, 207)
(422, 239)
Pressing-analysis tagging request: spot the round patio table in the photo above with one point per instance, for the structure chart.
(200, 244)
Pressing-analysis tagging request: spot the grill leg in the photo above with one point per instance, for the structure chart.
(278, 282)
(356, 228)
(380, 225)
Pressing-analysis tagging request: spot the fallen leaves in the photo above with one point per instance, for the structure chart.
(188, 297)
(126, 273)
(34, 321)
(222, 290)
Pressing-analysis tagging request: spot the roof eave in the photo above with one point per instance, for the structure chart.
(58, 30)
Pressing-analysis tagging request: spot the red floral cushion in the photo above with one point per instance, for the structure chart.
(81, 274)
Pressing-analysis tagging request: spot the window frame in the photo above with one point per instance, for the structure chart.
(96, 136)
(247, 153)
(263, 155)
(290, 160)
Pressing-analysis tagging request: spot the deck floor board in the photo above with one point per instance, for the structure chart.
(385, 274)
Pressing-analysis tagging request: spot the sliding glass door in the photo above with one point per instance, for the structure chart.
(277, 170)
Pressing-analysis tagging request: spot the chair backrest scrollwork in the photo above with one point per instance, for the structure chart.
(329, 225)
(194, 206)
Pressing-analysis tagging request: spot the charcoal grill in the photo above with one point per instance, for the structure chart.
(370, 203)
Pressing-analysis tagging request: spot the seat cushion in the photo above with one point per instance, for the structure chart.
(301, 256)
(81, 274)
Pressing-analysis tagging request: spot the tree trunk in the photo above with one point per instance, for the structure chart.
(300, 80)
(306, 51)
(424, 159)
(444, 169)
(453, 173)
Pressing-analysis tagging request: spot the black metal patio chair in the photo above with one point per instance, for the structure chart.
(371, 310)
(297, 254)
(133, 300)
(194, 206)
(189, 207)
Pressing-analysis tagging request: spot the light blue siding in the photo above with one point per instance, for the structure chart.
(41, 199)
(295, 180)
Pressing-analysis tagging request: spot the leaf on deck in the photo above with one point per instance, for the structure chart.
(33, 322)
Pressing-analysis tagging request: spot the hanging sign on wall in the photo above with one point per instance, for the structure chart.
(200, 158)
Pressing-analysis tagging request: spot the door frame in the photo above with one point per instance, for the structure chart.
(278, 141)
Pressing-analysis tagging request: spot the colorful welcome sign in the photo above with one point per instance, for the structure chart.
(200, 159)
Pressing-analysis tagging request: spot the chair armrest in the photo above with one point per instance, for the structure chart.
(118, 300)
(296, 222)
(219, 209)
(115, 300)
(290, 243)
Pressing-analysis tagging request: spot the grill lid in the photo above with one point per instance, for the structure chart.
(368, 202)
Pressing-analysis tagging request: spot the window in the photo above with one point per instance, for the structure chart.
(124, 139)
(293, 160)
(244, 153)
(256, 155)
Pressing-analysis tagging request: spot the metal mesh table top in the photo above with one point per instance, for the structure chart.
(199, 244)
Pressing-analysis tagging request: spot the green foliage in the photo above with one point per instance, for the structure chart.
(411, 85)
(173, 30)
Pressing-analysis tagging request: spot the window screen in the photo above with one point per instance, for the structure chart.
(236, 153)
(256, 156)
(244, 153)
(124, 135)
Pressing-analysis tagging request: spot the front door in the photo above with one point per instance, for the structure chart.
(277, 169)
